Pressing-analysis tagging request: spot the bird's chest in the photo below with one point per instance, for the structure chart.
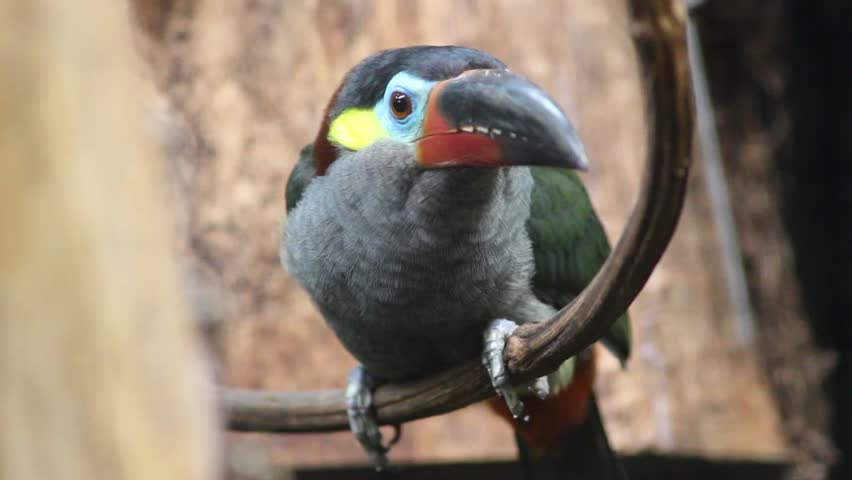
(406, 278)
(410, 285)
(406, 306)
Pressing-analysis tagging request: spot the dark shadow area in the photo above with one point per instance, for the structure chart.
(639, 467)
(817, 203)
(779, 76)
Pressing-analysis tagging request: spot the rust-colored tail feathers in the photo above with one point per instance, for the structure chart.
(565, 437)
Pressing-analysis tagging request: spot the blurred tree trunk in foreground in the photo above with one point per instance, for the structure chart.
(101, 376)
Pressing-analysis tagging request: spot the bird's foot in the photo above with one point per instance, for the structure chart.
(362, 417)
(495, 342)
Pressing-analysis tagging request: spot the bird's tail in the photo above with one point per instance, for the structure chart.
(581, 454)
(565, 437)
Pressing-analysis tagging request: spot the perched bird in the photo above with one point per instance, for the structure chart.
(437, 209)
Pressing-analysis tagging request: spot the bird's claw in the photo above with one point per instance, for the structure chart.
(362, 417)
(540, 388)
(492, 357)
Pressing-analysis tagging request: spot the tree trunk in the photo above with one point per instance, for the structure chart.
(783, 105)
(102, 376)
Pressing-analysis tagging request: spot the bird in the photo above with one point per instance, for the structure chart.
(438, 208)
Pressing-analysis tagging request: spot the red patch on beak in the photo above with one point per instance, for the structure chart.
(444, 145)
(460, 149)
(434, 122)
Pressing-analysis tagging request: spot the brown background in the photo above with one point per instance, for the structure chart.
(240, 87)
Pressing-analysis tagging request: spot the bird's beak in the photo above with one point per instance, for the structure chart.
(492, 118)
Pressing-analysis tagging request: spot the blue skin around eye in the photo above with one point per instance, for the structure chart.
(417, 89)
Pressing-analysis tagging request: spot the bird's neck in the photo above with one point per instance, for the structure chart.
(473, 204)
(463, 196)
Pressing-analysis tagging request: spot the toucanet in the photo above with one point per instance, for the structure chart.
(437, 208)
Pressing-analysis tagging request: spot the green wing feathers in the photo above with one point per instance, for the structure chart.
(569, 245)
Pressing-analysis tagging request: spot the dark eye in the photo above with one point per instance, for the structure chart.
(400, 105)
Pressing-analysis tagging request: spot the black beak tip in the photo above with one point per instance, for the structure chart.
(539, 132)
(573, 152)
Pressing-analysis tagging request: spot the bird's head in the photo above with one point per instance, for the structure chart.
(454, 107)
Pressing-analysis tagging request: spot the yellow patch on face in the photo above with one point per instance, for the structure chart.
(356, 128)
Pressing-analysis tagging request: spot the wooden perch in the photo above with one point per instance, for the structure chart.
(535, 349)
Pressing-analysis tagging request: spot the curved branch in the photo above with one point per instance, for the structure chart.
(537, 348)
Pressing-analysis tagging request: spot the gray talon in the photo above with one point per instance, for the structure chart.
(362, 418)
(540, 388)
(492, 358)
(495, 341)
